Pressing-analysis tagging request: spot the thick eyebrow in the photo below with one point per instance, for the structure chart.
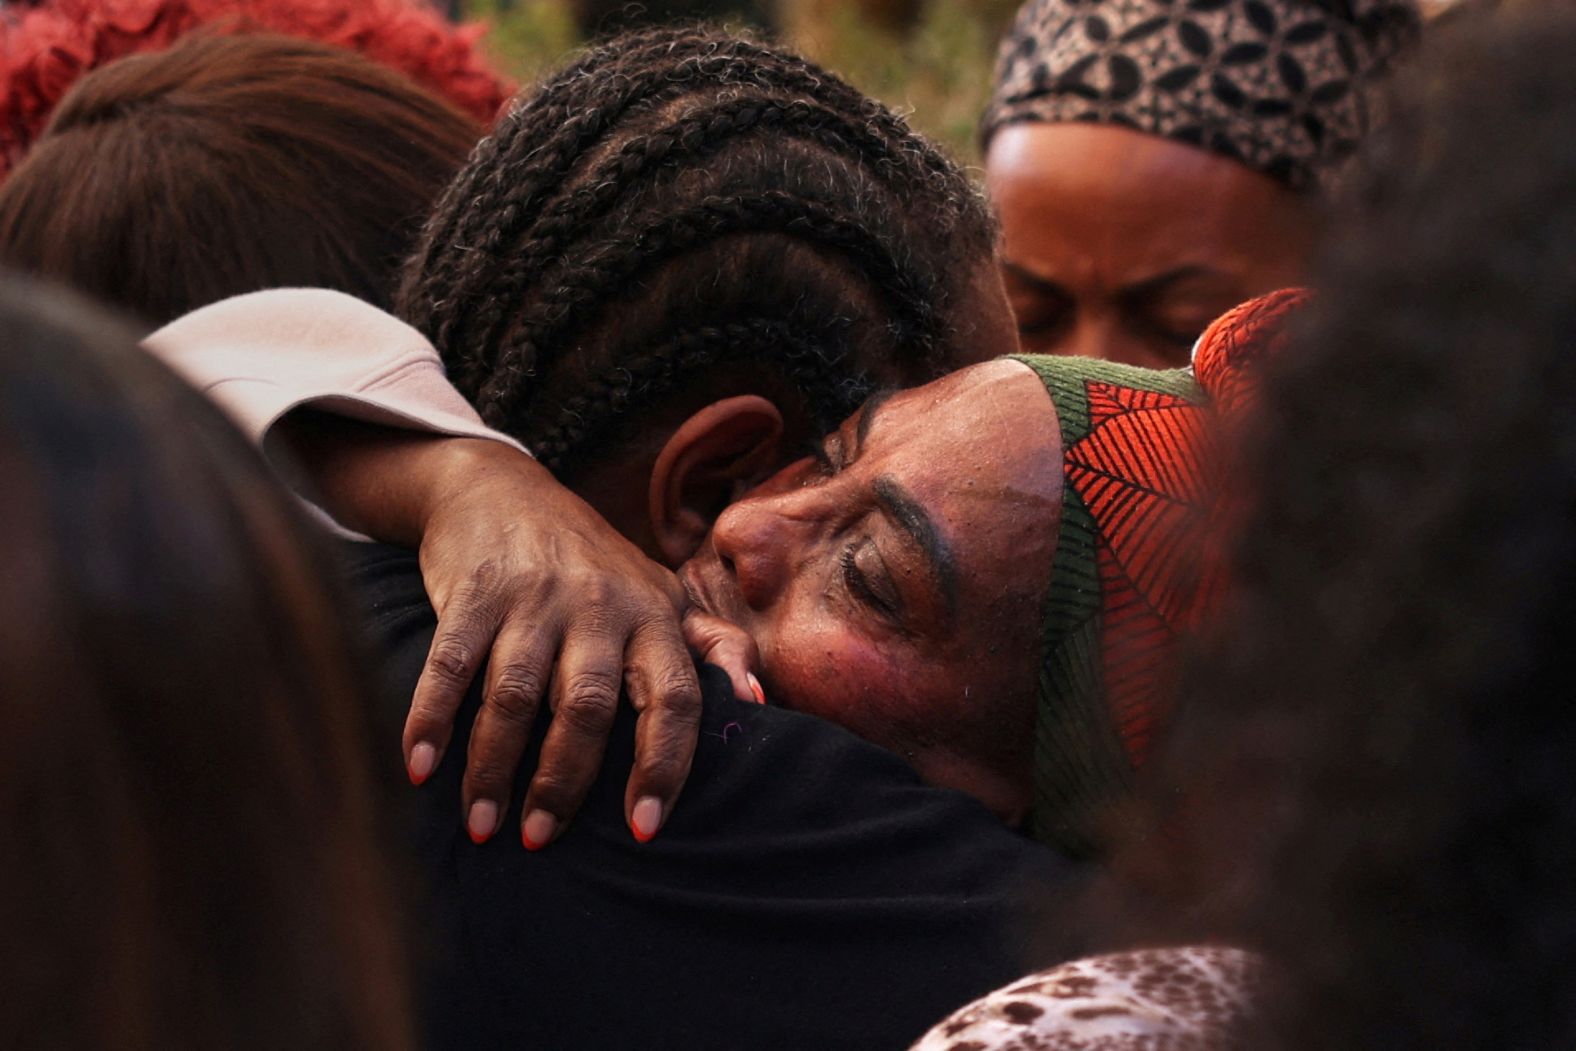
(1151, 285)
(867, 415)
(1138, 290)
(1035, 281)
(906, 513)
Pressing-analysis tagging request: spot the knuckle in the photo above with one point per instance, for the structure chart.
(483, 580)
(590, 705)
(673, 592)
(739, 646)
(452, 661)
(677, 691)
(662, 624)
(516, 695)
(595, 623)
(598, 591)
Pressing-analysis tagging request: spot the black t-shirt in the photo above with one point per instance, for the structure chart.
(808, 891)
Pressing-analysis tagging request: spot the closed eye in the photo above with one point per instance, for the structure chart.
(864, 589)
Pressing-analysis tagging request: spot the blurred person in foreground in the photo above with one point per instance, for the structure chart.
(1155, 164)
(1371, 781)
(190, 819)
(1392, 814)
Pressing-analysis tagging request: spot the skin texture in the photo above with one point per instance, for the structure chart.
(1123, 245)
(929, 656)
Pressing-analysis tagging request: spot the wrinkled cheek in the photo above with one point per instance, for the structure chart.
(831, 675)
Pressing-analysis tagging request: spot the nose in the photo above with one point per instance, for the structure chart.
(762, 540)
(1104, 337)
(1093, 336)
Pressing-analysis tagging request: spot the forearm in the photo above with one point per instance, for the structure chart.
(386, 482)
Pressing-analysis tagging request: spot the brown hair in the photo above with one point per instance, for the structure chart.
(229, 164)
(186, 800)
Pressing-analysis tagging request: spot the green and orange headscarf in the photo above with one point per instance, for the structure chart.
(1134, 569)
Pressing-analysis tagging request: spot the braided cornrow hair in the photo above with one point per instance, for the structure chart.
(684, 200)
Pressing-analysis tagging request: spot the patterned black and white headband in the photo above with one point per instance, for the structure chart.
(1283, 86)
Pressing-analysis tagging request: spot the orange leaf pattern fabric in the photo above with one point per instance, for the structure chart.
(1139, 472)
(1140, 555)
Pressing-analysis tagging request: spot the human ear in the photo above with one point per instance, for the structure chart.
(712, 458)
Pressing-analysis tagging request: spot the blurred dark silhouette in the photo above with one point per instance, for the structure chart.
(186, 804)
(1377, 751)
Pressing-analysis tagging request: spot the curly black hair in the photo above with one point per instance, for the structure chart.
(684, 203)
(1378, 745)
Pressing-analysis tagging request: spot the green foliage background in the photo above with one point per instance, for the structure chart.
(935, 67)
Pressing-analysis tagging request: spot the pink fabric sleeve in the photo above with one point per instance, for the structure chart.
(261, 355)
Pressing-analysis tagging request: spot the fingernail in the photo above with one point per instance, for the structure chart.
(755, 687)
(483, 820)
(538, 829)
(647, 818)
(423, 758)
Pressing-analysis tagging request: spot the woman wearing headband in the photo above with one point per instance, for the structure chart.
(1157, 163)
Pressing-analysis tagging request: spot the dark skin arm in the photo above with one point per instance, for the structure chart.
(528, 579)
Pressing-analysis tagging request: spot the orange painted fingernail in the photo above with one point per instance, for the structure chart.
(537, 830)
(482, 821)
(646, 818)
(423, 758)
(755, 688)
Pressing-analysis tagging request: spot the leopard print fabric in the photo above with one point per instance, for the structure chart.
(1283, 86)
(1186, 999)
